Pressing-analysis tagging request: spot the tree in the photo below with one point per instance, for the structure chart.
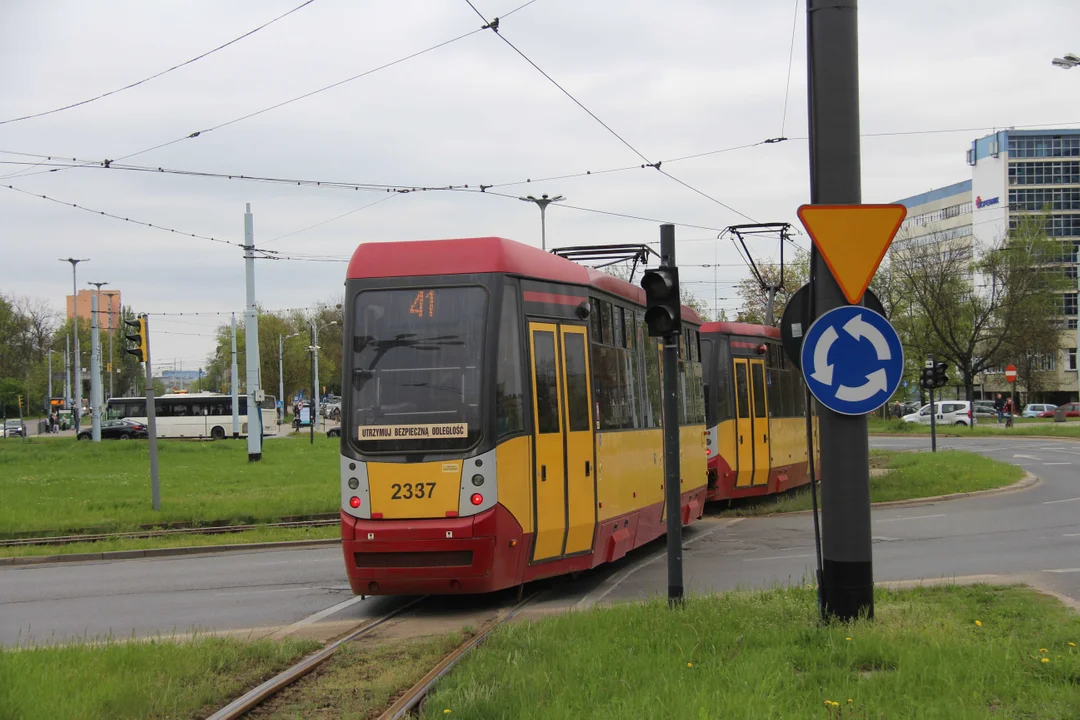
(971, 310)
(755, 298)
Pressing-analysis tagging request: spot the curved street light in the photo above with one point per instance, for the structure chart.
(542, 202)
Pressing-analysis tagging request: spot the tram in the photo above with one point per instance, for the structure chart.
(501, 418)
(755, 410)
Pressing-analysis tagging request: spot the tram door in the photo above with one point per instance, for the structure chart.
(563, 476)
(744, 426)
(761, 422)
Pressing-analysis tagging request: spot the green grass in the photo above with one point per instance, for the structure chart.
(121, 680)
(258, 535)
(60, 486)
(359, 681)
(764, 655)
(985, 427)
(912, 475)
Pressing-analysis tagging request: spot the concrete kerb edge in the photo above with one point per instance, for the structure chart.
(977, 437)
(163, 552)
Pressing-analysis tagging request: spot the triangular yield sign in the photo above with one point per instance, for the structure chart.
(852, 239)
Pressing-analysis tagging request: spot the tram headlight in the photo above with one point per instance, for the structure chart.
(477, 480)
(354, 501)
(353, 483)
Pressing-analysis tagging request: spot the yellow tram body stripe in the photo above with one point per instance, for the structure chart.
(513, 462)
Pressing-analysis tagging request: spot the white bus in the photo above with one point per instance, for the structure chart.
(197, 415)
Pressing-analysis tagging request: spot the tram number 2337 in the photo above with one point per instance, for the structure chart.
(408, 491)
(423, 305)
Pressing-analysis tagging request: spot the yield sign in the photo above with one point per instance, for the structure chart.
(852, 239)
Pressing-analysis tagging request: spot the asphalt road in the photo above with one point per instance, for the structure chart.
(1032, 535)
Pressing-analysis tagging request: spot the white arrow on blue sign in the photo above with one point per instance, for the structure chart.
(852, 360)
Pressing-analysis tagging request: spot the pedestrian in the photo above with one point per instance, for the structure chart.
(1008, 408)
(897, 411)
(999, 407)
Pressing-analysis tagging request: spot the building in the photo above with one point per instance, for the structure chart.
(109, 308)
(1013, 173)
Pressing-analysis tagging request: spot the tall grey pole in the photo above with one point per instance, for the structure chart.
(233, 388)
(315, 391)
(672, 484)
(76, 360)
(112, 332)
(280, 376)
(48, 402)
(833, 97)
(95, 372)
(151, 424)
(67, 370)
(251, 344)
(543, 226)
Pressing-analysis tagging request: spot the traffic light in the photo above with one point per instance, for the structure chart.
(139, 338)
(20, 402)
(940, 378)
(663, 311)
(926, 379)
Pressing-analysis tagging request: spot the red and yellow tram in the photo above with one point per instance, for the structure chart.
(501, 418)
(756, 412)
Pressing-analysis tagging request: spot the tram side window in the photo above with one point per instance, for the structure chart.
(608, 393)
(577, 383)
(652, 380)
(742, 390)
(509, 413)
(618, 332)
(596, 333)
(606, 320)
(547, 383)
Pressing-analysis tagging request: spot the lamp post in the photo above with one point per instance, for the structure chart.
(112, 331)
(1067, 63)
(96, 393)
(542, 202)
(77, 410)
(280, 372)
(315, 343)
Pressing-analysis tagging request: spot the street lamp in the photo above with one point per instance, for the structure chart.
(77, 410)
(1067, 63)
(315, 349)
(542, 202)
(96, 400)
(110, 294)
(280, 373)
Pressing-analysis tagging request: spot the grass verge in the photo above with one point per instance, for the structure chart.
(986, 427)
(49, 485)
(910, 476)
(358, 681)
(258, 535)
(121, 680)
(764, 655)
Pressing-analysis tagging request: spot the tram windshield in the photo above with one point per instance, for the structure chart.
(416, 369)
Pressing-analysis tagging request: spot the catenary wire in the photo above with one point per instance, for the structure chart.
(791, 56)
(330, 220)
(157, 75)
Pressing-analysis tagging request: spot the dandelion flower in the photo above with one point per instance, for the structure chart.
(1072, 644)
(828, 702)
(835, 704)
(1044, 660)
(978, 623)
(847, 638)
(689, 664)
(446, 711)
(850, 700)
(1042, 650)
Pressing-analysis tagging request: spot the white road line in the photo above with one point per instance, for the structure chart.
(1051, 502)
(1064, 570)
(1071, 535)
(1028, 457)
(274, 590)
(917, 517)
(316, 617)
(651, 560)
(1057, 463)
(778, 557)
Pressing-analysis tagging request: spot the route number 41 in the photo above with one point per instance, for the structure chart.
(424, 300)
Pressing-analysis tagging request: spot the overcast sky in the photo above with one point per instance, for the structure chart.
(673, 78)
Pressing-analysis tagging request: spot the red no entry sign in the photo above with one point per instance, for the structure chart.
(1010, 373)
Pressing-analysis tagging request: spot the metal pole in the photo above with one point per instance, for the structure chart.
(112, 332)
(311, 420)
(48, 403)
(67, 370)
(151, 425)
(76, 360)
(233, 387)
(95, 372)
(251, 344)
(833, 98)
(933, 422)
(672, 471)
(280, 376)
(543, 226)
(315, 394)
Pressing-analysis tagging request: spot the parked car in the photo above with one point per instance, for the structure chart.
(14, 428)
(984, 408)
(331, 410)
(1032, 410)
(1071, 410)
(949, 412)
(116, 430)
(334, 432)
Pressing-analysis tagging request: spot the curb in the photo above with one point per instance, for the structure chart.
(162, 552)
(976, 437)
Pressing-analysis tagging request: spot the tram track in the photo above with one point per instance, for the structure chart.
(410, 700)
(164, 532)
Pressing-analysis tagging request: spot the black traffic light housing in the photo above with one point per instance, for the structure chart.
(940, 378)
(926, 379)
(663, 309)
(139, 338)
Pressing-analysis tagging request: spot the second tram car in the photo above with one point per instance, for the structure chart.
(501, 418)
(756, 412)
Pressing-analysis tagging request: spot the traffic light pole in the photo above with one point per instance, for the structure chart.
(833, 94)
(672, 484)
(151, 421)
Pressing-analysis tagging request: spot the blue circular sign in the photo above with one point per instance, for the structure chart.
(852, 360)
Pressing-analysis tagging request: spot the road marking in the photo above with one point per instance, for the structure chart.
(1051, 502)
(316, 617)
(917, 517)
(1028, 457)
(654, 558)
(778, 557)
(1064, 570)
(1071, 535)
(273, 590)
(1057, 463)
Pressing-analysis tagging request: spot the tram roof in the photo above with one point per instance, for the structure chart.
(738, 328)
(466, 256)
